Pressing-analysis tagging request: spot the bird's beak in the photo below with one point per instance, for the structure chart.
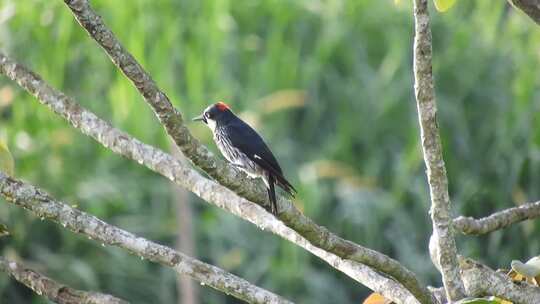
(200, 118)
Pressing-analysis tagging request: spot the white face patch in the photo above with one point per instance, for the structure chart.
(210, 122)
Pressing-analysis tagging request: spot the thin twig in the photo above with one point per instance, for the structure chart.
(497, 220)
(226, 174)
(443, 237)
(160, 162)
(52, 290)
(44, 206)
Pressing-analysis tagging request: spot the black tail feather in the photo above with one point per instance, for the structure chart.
(276, 175)
(285, 185)
(272, 195)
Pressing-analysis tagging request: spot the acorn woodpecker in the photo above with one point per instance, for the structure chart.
(245, 149)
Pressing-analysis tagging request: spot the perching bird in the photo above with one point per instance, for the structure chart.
(245, 149)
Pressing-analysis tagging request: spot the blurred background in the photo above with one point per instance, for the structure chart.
(327, 83)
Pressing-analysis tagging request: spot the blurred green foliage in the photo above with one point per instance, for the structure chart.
(328, 83)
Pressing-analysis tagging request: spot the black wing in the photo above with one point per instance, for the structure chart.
(249, 142)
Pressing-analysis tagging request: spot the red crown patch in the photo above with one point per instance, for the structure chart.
(222, 106)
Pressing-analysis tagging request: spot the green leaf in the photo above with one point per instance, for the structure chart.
(443, 5)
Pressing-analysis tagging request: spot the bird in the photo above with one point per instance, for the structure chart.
(245, 149)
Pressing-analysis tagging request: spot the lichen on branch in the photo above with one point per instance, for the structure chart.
(52, 290)
(44, 206)
(444, 246)
(157, 160)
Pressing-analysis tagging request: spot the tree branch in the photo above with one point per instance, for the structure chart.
(498, 220)
(160, 162)
(44, 206)
(226, 174)
(52, 290)
(446, 252)
(480, 281)
(168, 115)
(529, 7)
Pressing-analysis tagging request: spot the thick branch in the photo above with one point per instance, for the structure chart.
(122, 143)
(529, 7)
(225, 174)
(53, 290)
(498, 220)
(443, 238)
(44, 206)
(481, 281)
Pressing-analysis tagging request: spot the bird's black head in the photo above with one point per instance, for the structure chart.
(214, 114)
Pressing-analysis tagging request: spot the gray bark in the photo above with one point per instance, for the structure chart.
(481, 281)
(225, 174)
(241, 191)
(163, 163)
(160, 162)
(52, 290)
(444, 246)
(44, 206)
(498, 220)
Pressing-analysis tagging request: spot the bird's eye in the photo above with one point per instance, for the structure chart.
(207, 115)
